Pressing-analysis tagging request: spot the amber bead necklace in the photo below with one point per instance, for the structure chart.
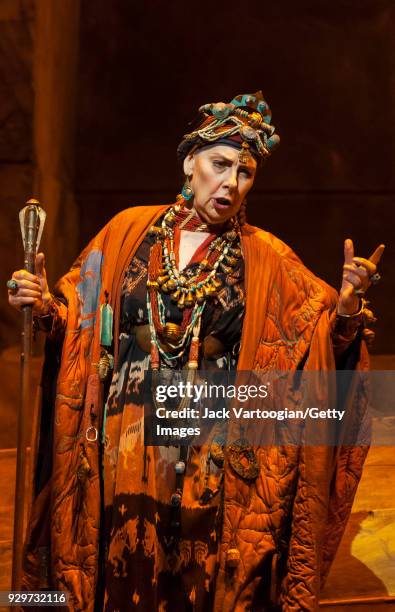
(190, 293)
(185, 291)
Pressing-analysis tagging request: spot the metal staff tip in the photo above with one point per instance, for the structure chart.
(32, 219)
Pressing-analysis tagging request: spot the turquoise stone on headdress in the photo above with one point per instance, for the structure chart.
(246, 120)
(255, 102)
(273, 142)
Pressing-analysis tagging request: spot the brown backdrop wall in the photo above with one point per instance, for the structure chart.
(327, 70)
(16, 143)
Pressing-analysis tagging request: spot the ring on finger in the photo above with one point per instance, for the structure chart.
(375, 278)
(13, 286)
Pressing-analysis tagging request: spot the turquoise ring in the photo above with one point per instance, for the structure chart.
(13, 286)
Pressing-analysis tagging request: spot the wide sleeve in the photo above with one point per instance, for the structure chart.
(328, 478)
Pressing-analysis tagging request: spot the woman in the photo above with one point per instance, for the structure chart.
(161, 528)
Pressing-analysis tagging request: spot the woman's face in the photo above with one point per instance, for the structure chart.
(219, 181)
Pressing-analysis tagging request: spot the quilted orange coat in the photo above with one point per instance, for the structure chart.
(286, 526)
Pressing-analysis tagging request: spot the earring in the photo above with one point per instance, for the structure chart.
(187, 191)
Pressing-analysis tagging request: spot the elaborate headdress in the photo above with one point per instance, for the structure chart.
(243, 123)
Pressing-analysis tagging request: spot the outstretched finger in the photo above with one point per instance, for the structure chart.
(348, 251)
(376, 256)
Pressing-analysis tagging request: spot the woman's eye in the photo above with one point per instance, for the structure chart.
(218, 164)
(246, 172)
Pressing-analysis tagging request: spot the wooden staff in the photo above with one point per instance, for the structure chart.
(32, 219)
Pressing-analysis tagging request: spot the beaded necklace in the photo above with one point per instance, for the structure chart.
(189, 291)
(222, 255)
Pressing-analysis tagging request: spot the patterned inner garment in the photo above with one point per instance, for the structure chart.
(143, 568)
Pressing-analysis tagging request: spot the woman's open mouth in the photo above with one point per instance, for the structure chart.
(221, 203)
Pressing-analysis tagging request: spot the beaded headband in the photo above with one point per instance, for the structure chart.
(243, 123)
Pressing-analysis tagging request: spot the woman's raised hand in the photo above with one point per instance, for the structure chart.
(31, 288)
(358, 274)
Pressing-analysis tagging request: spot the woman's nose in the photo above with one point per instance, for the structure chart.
(231, 180)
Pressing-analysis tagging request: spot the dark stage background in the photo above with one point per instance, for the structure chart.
(327, 71)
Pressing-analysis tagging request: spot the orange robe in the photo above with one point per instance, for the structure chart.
(307, 497)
